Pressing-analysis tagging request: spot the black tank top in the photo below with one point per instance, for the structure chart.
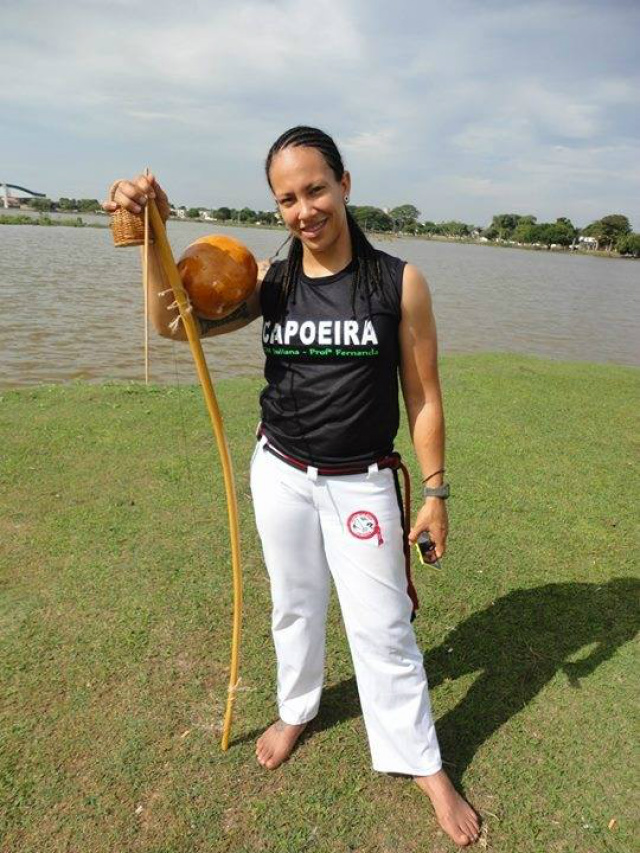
(332, 374)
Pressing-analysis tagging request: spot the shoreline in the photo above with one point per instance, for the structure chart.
(45, 220)
(529, 361)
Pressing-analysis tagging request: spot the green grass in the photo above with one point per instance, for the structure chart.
(115, 614)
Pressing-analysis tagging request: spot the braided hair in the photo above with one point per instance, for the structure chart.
(367, 275)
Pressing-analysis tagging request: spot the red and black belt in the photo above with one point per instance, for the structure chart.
(392, 461)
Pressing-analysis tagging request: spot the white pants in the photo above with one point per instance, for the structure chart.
(348, 527)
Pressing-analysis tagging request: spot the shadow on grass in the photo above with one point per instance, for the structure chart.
(340, 702)
(517, 645)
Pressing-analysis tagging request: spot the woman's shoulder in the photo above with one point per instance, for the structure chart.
(402, 270)
(392, 272)
(392, 261)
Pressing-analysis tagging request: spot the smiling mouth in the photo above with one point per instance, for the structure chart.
(313, 230)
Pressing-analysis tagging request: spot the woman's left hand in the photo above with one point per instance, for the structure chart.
(433, 519)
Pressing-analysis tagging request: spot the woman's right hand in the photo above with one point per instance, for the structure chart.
(133, 195)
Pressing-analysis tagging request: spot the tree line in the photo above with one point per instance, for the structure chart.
(79, 205)
(245, 216)
(610, 233)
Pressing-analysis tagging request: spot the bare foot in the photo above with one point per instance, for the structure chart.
(276, 744)
(458, 819)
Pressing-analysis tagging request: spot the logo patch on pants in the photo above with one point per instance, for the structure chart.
(364, 525)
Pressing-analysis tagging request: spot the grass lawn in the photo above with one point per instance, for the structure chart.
(115, 615)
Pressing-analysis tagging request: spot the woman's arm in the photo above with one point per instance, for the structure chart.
(423, 399)
(133, 195)
(163, 315)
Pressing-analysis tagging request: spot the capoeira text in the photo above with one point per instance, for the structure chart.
(324, 333)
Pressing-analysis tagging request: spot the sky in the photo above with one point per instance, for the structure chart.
(463, 108)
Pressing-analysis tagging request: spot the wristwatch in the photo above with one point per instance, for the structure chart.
(436, 491)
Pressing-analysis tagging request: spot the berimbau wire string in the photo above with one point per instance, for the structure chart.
(145, 287)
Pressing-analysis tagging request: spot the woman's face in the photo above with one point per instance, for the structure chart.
(310, 199)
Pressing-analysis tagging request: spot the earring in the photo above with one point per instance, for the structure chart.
(346, 199)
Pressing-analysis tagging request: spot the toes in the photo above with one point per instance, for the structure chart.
(265, 757)
(473, 826)
(473, 835)
(461, 831)
(471, 830)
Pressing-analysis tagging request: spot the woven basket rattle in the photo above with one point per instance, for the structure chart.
(127, 228)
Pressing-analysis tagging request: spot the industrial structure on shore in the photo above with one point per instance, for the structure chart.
(11, 200)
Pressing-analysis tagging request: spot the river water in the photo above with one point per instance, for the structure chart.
(73, 305)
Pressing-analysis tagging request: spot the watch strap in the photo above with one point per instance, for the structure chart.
(442, 491)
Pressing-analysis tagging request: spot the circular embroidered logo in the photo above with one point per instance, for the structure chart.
(364, 525)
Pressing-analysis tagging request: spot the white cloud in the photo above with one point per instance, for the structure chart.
(555, 112)
(377, 143)
(468, 185)
(80, 58)
(457, 108)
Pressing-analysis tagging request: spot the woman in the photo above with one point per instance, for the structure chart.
(340, 321)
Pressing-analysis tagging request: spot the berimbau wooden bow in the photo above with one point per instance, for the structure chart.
(170, 269)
